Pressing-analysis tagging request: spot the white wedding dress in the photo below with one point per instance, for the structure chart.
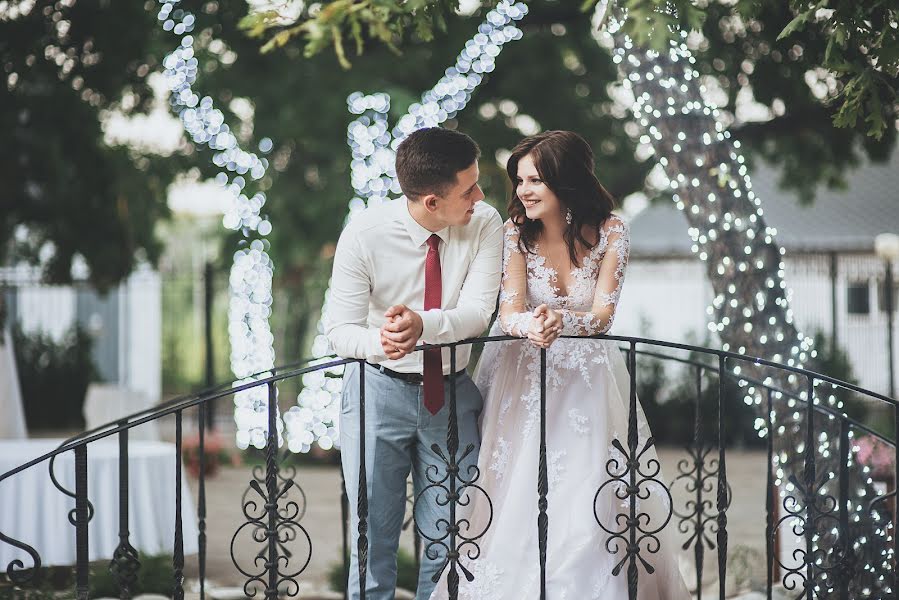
(587, 407)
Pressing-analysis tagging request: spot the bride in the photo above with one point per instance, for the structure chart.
(564, 259)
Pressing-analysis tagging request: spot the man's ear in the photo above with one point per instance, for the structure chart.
(430, 202)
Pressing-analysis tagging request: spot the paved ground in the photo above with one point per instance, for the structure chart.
(321, 484)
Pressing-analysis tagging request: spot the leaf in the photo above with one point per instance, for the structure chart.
(797, 24)
(440, 22)
(338, 48)
(875, 114)
(277, 41)
(888, 55)
(257, 24)
(356, 31)
(423, 30)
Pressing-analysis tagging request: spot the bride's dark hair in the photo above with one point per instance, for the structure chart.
(564, 161)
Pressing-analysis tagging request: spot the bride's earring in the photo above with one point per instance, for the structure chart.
(568, 216)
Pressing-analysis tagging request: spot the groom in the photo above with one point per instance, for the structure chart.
(421, 270)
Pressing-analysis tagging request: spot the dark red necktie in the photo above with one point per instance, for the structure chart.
(433, 362)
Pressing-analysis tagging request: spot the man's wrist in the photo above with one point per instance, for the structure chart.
(430, 321)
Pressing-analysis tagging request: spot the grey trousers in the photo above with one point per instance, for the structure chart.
(399, 433)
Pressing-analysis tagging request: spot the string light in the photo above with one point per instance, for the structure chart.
(250, 280)
(706, 169)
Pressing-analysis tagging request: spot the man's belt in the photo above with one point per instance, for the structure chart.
(410, 378)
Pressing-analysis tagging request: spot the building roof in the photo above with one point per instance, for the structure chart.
(837, 220)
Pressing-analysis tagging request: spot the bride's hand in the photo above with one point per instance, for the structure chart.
(545, 327)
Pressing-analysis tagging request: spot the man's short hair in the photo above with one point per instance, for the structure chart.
(428, 161)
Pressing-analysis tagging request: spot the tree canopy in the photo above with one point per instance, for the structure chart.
(66, 191)
(859, 41)
(67, 64)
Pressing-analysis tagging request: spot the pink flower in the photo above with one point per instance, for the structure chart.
(877, 455)
(215, 451)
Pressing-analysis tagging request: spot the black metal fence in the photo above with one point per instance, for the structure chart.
(838, 558)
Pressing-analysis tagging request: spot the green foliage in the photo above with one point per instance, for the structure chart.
(63, 67)
(37, 590)
(54, 377)
(670, 407)
(406, 576)
(156, 576)
(183, 341)
(862, 48)
(862, 41)
(323, 26)
(746, 57)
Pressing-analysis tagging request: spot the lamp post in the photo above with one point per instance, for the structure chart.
(886, 246)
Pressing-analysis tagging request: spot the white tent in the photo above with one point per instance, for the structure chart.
(12, 417)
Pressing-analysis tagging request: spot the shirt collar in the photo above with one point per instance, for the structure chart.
(417, 233)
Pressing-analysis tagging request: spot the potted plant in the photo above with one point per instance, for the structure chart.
(215, 450)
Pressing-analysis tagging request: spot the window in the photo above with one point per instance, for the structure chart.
(882, 295)
(857, 298)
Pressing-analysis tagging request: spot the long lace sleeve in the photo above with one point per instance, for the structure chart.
(514, 317)
(609, 280)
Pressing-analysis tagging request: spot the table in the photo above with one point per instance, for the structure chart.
(35, 512)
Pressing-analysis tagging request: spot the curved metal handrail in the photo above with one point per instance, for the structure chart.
(183, 398)
(755, 382)
(171, 409)
(227, 389)
(269, 377)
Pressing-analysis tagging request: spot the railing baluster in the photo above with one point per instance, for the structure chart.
(895, 514)
(699, 449)
(201, 502)
(82, 558)
(362, 493)
(345, 519)
(542, 479)
(845, 456)
(633, 441)
(769, 498)
(808, 477)
(452, 448)
(124, 564)
(722, 500)
(178, 556)
(271, 488)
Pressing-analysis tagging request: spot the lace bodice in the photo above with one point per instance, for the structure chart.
(588, 308)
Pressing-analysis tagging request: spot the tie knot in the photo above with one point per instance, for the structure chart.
(433, 241)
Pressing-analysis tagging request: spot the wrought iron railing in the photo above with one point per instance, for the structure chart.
(834, 562)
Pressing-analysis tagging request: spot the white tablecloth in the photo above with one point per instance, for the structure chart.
(33, 511)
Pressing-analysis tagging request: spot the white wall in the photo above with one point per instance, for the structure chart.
(673, 295)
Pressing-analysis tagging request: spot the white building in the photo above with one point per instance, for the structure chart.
(836, 279)
(126, 322)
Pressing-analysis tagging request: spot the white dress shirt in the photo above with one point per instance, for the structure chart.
(380, 262)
